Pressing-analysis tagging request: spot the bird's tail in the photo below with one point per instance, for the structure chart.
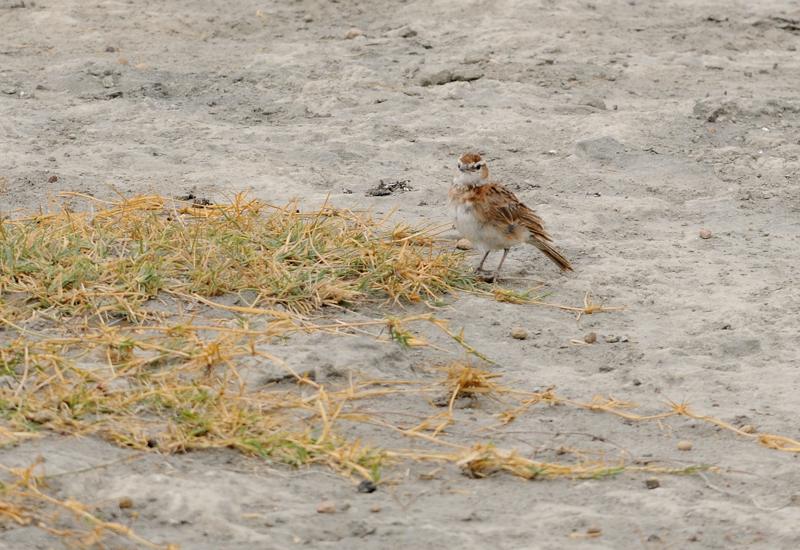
(552, 253)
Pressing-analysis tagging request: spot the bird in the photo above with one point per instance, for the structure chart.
(490, 216)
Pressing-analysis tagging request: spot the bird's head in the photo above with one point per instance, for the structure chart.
(472, 169)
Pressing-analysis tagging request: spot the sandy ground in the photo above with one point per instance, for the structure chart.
(628, 125)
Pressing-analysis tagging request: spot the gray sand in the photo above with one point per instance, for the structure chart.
(628, 125)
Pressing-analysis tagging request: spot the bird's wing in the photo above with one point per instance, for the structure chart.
(495, 204)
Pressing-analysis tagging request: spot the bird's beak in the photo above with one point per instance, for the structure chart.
(462, 168)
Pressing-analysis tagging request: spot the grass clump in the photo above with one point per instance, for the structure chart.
(108, 263)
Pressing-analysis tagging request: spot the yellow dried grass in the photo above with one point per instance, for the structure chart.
(101, 311)
(23, 501)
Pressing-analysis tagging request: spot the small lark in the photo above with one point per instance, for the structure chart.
(492, 217)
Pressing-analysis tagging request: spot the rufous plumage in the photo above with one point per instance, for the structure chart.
(492, 217)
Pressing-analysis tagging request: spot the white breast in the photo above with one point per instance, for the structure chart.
(466, 222)
(482, 236)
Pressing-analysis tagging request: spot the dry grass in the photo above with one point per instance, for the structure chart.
(622, 408)
(137, 322)
(23, 501)
(486, 460)
(100, 308)
(106, 264)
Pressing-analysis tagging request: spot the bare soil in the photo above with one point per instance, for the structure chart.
(629, 126)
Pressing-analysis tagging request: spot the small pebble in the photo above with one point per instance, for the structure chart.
(375, 509)
(594, 531)
(595, 102)
(590, 338)
(108, 82)
(111, 49)
(652, 483)
(463, 244)
(326, 507)
(366, 486)
(52, 179)
(748, 429)
(125, 502)
(441, 401)
(353, 33)
(519, 333)
(684, 445)
(705, 234)
(612, 339)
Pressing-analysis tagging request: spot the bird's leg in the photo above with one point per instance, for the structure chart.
(480, 266)
(496, 274)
